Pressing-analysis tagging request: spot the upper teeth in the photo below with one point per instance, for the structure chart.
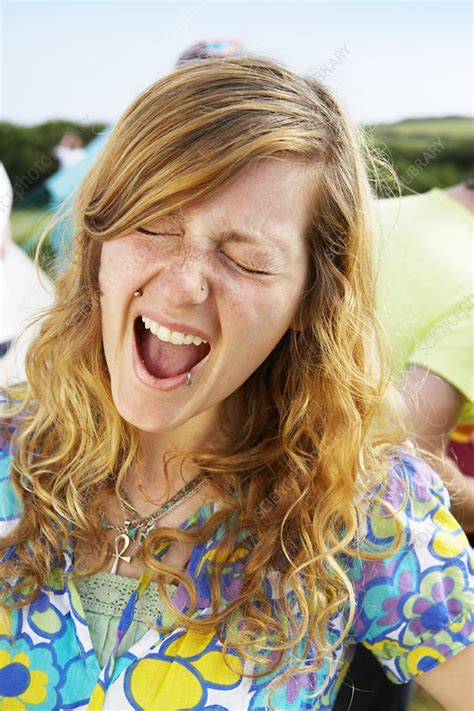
(175, 337)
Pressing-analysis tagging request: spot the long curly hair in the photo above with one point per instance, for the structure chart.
(322, 418)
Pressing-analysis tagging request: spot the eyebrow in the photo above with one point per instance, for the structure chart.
(232, 235)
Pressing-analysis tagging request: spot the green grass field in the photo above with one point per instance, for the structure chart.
(28, 224)
(426, 153)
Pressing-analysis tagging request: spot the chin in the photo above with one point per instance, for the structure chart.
(148, 415)
(141, 415)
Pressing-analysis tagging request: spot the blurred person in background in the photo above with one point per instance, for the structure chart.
(425, 303)
(24, 291)
(69, 150)
(6, 201)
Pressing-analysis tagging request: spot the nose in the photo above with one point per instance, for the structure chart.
(182, 283)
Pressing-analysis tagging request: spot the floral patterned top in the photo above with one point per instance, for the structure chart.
(414, 610)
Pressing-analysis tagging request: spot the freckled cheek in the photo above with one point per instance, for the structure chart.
(109, 272)
(253, 313)
(117, 279)
(121, 267)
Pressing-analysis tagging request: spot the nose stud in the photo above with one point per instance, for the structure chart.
(138, 292)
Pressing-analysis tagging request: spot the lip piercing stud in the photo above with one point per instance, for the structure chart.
(138, 292)
(188, 381)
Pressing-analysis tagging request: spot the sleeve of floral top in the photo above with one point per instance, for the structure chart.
(10, 506)
(415, 608)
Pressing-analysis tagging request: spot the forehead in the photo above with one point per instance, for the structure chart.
(266, 206)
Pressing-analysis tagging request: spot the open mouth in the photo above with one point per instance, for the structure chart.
(164, 359)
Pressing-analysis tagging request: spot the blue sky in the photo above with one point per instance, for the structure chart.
(87, 60)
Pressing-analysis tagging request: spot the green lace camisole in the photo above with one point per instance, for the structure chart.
(104, 597)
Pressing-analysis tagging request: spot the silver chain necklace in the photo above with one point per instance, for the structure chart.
(138, 529)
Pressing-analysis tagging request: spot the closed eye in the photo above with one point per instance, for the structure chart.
(157, 234)
(239, 266)
(246, 270)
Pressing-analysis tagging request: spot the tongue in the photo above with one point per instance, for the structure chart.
(163, 360)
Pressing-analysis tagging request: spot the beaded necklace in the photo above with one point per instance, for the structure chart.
(138, 529)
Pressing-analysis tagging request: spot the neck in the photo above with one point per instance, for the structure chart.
(162, 469)
(165, 464)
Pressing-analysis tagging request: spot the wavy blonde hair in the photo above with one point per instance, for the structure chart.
(322, 418)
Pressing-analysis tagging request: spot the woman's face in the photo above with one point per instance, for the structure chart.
(194, 282)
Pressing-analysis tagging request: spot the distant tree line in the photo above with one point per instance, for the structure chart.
(424, 153)
(428, 153)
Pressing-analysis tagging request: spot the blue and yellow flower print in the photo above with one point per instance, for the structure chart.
(414, 610)
(181, 673)
(29, 676)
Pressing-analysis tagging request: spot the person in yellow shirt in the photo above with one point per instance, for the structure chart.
(425, 303)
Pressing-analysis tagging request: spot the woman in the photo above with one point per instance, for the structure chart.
(208, 500)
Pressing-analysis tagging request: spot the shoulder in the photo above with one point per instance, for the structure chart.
(396, 211)
(418, 205)
(410, 474)
(409, 506)
(419, 224)
(414, 604)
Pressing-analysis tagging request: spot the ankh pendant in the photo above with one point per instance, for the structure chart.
(123, 540)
